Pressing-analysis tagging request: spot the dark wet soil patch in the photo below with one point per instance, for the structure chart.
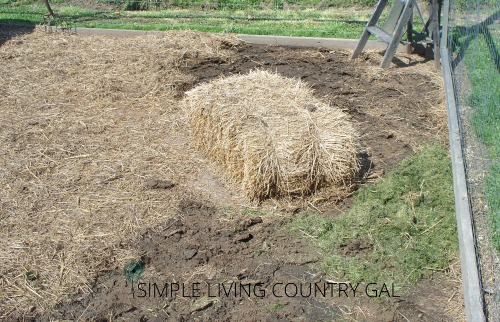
(199, 247)
(200, 266)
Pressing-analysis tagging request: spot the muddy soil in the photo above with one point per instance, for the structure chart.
(203, 265)
(230, 258)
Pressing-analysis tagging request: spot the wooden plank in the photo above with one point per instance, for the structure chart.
(380, 34)
(398, 33)
(312, 42)
(373, 20)
(471, 281)
(394, 14)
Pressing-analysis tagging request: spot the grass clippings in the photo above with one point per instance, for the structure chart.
(397, 230)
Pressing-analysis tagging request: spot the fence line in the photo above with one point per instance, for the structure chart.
(470, 273)
(471, 36)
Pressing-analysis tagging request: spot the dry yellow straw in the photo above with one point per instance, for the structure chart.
(272, 135)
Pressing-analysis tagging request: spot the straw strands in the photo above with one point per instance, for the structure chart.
(272, 135)
(80, 118)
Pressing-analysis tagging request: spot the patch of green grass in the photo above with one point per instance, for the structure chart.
(334, 19)
(325, 22)
(484, 100)
(277, 307)
(408, 219)
(472, 6)
(492, 193)
(26, 14)
(485, 94)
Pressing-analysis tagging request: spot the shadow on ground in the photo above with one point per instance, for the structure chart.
(13, 28)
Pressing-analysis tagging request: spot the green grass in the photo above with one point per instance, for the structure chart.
(408, 218)
(482, 94)
(277, 307)
(251, 3)
(325, 22)
(471, 6)
(333, 19)
(309, 20)
(484, 99)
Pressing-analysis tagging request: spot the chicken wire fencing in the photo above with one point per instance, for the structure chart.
(473, 39)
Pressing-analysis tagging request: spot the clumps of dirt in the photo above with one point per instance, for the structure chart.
(271, 135)
(193, 247)
(159, 184)
(356, 248)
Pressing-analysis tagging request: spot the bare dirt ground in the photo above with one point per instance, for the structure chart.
(97, 170)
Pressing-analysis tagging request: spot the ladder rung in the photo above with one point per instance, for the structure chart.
(380, 34)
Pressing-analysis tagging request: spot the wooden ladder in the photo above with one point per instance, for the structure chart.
(393, 30)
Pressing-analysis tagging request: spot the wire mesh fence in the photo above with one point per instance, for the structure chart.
(473, 42)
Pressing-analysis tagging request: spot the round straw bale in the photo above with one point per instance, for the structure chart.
(271, 135)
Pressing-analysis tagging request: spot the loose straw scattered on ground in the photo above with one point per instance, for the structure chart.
(85, 121)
